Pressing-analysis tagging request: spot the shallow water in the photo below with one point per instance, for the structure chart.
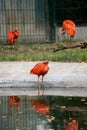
(27, 118)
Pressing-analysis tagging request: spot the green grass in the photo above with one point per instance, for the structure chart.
(40, 52)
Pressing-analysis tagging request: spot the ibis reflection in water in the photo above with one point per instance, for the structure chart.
(72, 125)
(43, 113)
(15, 101)
(41, 106)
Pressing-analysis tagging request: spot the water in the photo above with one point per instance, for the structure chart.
(28, 118)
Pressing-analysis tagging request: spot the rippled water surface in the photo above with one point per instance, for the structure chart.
(42, 112)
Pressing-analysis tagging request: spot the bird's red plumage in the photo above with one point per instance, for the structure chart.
(40, 69)
(15, 101)
(41, 106)
(69, 27)
(72, 125)
(13, 35)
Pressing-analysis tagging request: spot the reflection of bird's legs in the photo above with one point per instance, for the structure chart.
(43, 85)
(38, 86)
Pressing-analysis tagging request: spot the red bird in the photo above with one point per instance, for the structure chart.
(69, 27)
(40, 69)
(41, 106)
(15, 101)
(72, 125)
(13, 36)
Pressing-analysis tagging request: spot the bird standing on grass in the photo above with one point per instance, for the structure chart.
(69, 27)
(40, 69)
(13, 36)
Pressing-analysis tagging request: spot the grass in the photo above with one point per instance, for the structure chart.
(40, 52)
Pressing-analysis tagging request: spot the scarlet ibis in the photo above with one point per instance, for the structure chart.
(13, 36)
(15, 101)
(72, 125)
(40, 69)
(69, 27)
(41, 106)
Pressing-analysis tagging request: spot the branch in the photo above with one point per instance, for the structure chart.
(82, 45)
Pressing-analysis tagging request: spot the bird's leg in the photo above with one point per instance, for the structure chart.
(43, 85)
(70, 38)
(38, 87)
(10, 46)
(67, 37)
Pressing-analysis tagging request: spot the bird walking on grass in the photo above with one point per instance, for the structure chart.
(40, 69)
(13, 36)
(69, 27)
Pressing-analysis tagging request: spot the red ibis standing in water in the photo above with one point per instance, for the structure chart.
(69, 27)
(40, 69)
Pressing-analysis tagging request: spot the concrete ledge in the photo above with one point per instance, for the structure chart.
(64, 79)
